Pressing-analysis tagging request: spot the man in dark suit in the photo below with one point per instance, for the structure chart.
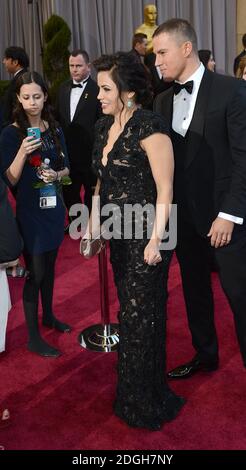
(78, 109)
(207, 117)
(139, 47)
(16, 62)
(242, 54)
(159, 85)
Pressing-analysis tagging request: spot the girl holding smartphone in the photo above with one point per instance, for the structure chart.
(41, 226)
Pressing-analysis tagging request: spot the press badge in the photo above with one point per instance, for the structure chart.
(47, 197)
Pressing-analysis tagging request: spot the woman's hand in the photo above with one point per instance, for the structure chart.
(49, 175)
(152, 254)
(29, 145)
(9, 264)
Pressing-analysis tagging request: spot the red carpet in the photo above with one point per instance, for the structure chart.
(66, 403)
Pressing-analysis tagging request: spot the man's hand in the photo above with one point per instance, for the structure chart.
(221, 232)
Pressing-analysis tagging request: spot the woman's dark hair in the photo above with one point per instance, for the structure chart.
(20, 116)
(128, 75)
(204, 56)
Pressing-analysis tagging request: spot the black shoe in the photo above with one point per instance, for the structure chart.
(40, 347)
(190, 368)
(57, 325)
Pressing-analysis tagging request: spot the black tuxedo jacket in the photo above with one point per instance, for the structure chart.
(135, 55)
(214, 175)
(159, 85)
(79, 133)
(9, 100)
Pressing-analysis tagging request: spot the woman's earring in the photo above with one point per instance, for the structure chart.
(129, 103)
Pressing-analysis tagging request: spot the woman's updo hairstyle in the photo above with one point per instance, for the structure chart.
(128, 75)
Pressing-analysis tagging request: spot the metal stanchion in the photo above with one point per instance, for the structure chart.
(102, 337)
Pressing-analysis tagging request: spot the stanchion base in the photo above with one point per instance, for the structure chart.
(100, 338)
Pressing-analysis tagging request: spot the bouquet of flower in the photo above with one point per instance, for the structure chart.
(36, 162)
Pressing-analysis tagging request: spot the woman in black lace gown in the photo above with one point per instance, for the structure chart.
(134, 162)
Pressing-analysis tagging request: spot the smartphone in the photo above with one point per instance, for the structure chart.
(34, 132)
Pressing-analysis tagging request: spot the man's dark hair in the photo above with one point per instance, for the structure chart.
(82, 52)
(19, 54)
(138, 37)
(180, 29)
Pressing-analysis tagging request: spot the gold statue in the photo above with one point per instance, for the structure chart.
(149, 25)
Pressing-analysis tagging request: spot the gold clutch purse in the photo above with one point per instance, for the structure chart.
(91, 247)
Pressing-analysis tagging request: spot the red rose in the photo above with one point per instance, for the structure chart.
(35, 161)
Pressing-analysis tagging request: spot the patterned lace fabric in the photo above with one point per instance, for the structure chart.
(143, 397)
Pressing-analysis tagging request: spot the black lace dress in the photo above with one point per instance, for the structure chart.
(143, 396)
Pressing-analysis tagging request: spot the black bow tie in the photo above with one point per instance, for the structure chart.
(177, 87)
(80, 85)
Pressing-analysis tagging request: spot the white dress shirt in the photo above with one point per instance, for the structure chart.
(75, 96)
(183, 109)
(184, 103)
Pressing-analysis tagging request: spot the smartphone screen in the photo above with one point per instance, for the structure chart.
(34, 132)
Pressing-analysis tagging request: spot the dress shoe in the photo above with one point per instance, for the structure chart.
(40, 347)
(57, 325)
(195, 365)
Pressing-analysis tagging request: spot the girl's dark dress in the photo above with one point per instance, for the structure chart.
(42, 229)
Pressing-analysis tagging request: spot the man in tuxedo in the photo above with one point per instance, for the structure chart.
(207, 117)
(16, 62)
(78, 109)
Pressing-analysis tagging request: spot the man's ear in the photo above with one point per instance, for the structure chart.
(187, 48)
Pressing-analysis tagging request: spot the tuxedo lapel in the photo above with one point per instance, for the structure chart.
(197, 123)
(67, 92)
(83, 99)
(166, 107)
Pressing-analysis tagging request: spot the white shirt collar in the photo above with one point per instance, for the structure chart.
(18, 71)
(82, 81)
(196, 76)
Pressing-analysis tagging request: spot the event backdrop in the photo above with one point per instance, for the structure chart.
(102, 26)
